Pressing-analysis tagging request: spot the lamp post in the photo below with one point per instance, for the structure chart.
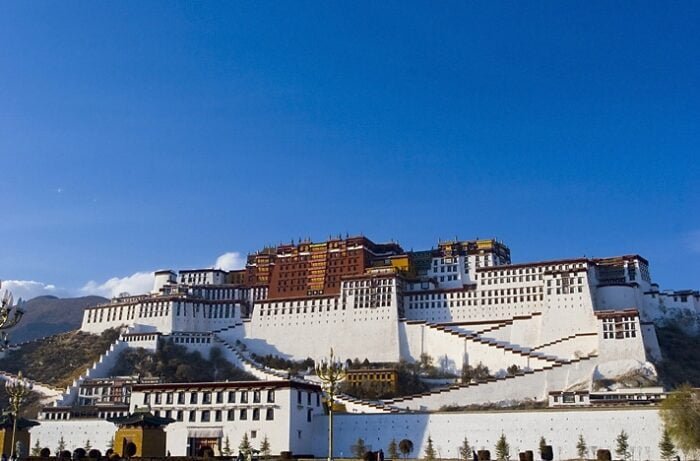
(10, 315)
(330, 372)
(17, 389)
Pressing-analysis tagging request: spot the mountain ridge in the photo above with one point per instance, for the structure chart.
(49, 315)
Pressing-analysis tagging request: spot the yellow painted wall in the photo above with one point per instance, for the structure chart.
(149, 442)
(6, 441)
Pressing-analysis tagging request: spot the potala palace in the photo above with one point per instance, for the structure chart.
(571, 326)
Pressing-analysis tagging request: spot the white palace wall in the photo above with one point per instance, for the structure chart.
(583, 344)
(162, 316)
(532, 386)
(523, 430)
(422, 338)
(74, 433)
(361, 333)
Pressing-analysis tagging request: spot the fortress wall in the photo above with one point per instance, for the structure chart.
(145, 341)
(98, 327)
(165, 317)
(573, 347)
(618, 297)
(199, 322)
(74, 432)
(99, 369)
(370, 333)
(622, 349)
(525, 331)
(530, 386)
(455, 312)
(565, 315)
(651, 342)
(421, 338)
(523, 430)
(499, 334)
(477, 327)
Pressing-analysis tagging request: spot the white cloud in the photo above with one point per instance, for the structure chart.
(135, 284)
(230, 261)
(28, 289)
(692, 241)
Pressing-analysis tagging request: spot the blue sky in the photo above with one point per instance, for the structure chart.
(145, 135)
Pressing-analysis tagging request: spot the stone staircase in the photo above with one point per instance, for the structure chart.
(561, 340)
(236, 355)
(100, 369)
(458, 394)
(46, 390)
(502, 345)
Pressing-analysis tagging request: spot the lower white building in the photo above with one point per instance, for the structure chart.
(217, 415)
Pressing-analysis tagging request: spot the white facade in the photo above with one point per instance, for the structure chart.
(523, 429)
(547, 318)
(283, 411)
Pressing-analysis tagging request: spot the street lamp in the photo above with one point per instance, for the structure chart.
(10, 315)
(17, 389)
(330, 372)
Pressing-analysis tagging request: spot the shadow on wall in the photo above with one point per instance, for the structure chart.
(377, 432)
(262, 347)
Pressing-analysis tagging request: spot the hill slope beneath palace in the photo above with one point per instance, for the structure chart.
(681, 361)
(49, 315)
(60, 359)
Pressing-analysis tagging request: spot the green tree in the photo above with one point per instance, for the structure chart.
(430, 450)
(244, 446)
(226, 450)
(265, 448)
(478, 373)
(502, 449)
(426, 363)
(359, 449)
(543, 444)
(61, 445)
(666, 446)
(393, 449)
(680, 412)
(622, 446)
(36, 449)
(581, 447)
(405, 447)
(465, 450)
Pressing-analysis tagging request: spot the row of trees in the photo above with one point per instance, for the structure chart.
(245, 447)
(502, 448)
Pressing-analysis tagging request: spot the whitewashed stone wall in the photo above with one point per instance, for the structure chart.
(74, 432)
(522, 429)
(529, 386)
(370, 333)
